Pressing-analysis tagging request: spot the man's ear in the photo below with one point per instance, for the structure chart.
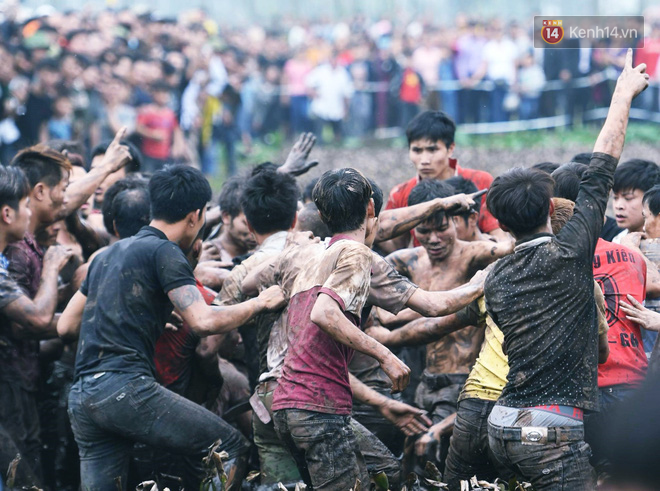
(226, 218)
(250, 227)
(551, 210)
(193, 218)
(114, 229)
(7, 214)
(39, 192)
(371, 209)
(293, 224)
(450, 150)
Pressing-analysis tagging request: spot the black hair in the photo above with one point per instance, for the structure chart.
(567, 180)
(582, 158)
(263, 167)
(636, 174)
(520, 199)
(427, 190)
(270, 201)
(652, 199)
(133, 165)
(14, 186)
(176, 190)
(307, 191)
(133, 181)
(231, 194)
(42, 164)
(130, 209)
(548, 167)
(377, 195)
(465, 186)
(342, 197)
(49, 64)
(431, 125)
(309, 219)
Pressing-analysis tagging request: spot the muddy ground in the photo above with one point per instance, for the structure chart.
(390, 166)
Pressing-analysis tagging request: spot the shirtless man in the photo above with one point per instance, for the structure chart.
(442, 263)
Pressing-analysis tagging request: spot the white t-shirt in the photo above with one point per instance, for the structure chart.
(332, 86)
(501, 56)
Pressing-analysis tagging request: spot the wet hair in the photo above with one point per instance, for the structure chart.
(133, 165)
(134, 181)
(262, 167)
(652, 199)
(231, 194)
(636, 174)
(561, 214)
(342, 197)
(176, 190)
(309, 219)
(520, 199)
(14, 186)
(548, 167)
(377, 195)
(307, 191)
(130, 209)
(465, 186)
(42, 164)
(582, 158)
(270, 201)
(430, 189)
(75, 150)
(431, 125)
(567, 180)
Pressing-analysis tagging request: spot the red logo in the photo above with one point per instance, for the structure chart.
(552, 31)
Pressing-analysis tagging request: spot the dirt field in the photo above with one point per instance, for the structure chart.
(390, 166)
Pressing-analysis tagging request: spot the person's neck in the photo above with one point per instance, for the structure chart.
(3, 242)
(173, 231)
(358, 235)
(231, 247)
(545, 229)
(261, 238)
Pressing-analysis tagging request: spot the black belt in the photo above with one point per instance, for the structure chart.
(437, 381)
(540, 435)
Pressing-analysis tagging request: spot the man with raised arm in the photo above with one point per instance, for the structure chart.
(542, 299)
(124, 304)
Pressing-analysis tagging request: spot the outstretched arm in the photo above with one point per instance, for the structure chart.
(435, 304)
(206, 320)
(116, 156)
(410, 420)
(631, 82)
(418, 332)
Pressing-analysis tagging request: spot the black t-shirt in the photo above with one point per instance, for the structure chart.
(127, 303)
(542, 298)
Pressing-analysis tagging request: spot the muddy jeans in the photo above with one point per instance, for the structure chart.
(551, 466)
(110, 411)
(469, 451)
(277, 462)
(324, 446)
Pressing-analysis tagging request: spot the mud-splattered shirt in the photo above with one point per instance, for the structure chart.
(315, 372)
(542, 298)
(25, 263)
(127, 304)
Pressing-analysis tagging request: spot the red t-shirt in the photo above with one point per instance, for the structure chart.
(315, 372)
(620, 271)
(482, 179)
(174, 351)
(161, 119)
(411, 88)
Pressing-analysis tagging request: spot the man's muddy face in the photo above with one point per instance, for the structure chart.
(430, 158)
(628, 209)
(651, 223)
(437, 236)
(240, 233)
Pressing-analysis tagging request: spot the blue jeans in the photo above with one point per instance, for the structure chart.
(112, 411)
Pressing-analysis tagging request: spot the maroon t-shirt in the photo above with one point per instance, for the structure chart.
(315, 373)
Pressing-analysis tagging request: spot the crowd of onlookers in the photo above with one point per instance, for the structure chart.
(189, 88)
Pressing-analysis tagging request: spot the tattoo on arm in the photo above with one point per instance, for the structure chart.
(185, 296)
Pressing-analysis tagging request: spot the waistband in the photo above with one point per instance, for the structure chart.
(538, 435)
(267, 386)
(567, 411)
(437, 381)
